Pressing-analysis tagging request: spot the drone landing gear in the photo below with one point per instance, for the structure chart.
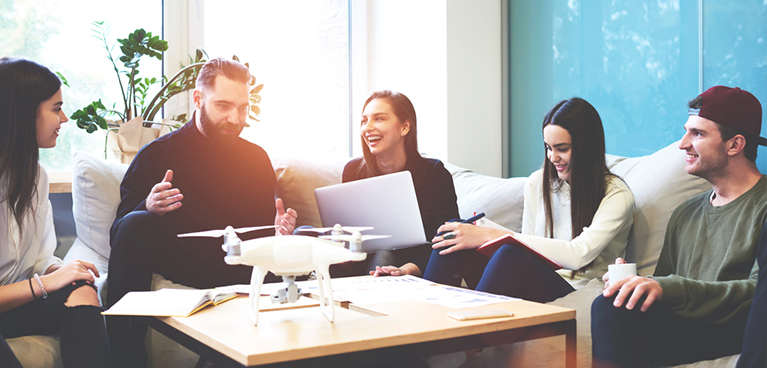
(326, 302)
(290, 293)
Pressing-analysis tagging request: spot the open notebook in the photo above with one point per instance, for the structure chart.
(167, 302)
(386, 202)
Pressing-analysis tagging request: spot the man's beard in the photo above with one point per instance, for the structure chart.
(213, 131)
(709, 167)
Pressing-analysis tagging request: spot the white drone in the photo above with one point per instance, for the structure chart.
(290, 256)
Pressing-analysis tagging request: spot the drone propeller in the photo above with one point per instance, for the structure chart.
(218, 233)
(353, 237)
(338, 227)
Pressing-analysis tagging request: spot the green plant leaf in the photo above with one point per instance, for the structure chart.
(138, 34)
(127, 51)
(63, 80)
(90, 117)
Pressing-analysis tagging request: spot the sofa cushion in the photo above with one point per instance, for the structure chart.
(37, 351)
(500, 199)
(659, 184)
(298, 177)
(95, 197)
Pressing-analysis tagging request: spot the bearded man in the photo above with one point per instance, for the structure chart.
(202, 176)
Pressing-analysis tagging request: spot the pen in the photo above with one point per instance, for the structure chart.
(469, 220)
(472, 219)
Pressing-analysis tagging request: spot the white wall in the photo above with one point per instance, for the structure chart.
(446, 56)
(474, 83)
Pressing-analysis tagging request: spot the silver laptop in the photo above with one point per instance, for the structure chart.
(386, 202)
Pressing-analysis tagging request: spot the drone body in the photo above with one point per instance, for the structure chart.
(290, 256)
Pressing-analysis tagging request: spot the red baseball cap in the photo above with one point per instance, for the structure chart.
(734, 108)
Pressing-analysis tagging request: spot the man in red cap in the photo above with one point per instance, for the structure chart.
(696, 304)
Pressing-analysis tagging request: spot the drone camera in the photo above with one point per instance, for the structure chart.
(290, 293)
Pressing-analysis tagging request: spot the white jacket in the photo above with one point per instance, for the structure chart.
(23, 255)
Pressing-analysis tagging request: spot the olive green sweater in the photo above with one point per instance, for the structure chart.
(707, 267)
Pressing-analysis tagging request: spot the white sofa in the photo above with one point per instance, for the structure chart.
(658, 181)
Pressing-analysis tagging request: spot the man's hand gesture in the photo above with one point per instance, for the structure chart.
(285, 220)
(163, 198)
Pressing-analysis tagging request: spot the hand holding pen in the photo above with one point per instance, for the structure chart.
(469, 220)
(457, 236)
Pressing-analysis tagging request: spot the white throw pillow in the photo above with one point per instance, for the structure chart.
(95, 197)
(660, 184)
(502, 200)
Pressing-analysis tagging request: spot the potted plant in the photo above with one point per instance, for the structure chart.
(137, 108)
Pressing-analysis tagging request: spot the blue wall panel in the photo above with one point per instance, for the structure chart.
(637, 62)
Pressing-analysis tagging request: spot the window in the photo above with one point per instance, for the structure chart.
(299, 50)
(637, 62)
(58, 34)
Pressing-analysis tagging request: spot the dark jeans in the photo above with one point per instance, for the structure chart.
(83, 337)
(397, 257)
(141, 246)
(631, 338)
(511, 271)
(754, 352)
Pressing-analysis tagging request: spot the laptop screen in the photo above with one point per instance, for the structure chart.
(386, 202)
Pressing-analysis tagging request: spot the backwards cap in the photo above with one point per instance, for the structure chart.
(734, 108)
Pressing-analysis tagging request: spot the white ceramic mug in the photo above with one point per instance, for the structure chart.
(619, 271)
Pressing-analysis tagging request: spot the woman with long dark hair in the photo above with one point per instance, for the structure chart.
(388, 132)
(576, 213)
(39, 294)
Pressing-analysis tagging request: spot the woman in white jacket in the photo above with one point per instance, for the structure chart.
(576, 213)
(38, 293)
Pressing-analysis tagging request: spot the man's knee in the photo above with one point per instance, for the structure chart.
(136, 220)
(133, 226)
(602, 307)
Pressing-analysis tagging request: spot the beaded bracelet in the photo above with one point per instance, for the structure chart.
(31, 288)
(42, 288)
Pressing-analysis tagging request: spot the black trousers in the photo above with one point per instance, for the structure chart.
(631, 338)
(83, 338)
(141, 246)
(754, 352)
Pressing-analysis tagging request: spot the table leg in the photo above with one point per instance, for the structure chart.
(571, 342)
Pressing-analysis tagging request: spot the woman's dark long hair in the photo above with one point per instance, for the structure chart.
(24, 85)
(588, 170)
(404, 111)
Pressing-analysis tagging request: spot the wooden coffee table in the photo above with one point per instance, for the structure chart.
(360, 335)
